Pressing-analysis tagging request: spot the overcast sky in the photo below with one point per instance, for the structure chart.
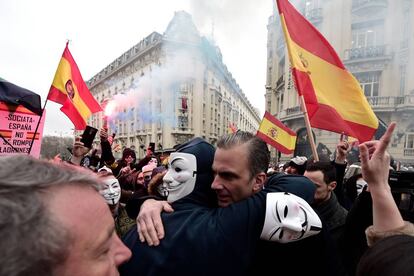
(34, 34)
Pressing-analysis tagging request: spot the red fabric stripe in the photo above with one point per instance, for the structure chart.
(6, 133)
(56, 96)
(306, 35)
(304, 84)
(273, 143)
(83, 90)
(326, 117)
(278, 123)
(30, 135)
(67, 107)
(73, 114)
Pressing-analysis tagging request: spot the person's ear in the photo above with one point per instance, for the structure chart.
(259, 181)
(332, 186)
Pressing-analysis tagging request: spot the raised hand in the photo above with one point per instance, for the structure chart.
(375, 160)
(342, 149)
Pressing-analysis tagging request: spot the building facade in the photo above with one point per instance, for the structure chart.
(170, 88)
(375, 40)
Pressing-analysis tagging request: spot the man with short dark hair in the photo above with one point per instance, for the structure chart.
(323, 175)
(202, 240)
(240, 164)
(53, 221)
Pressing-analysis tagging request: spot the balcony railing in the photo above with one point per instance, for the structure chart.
(384, 101)
(288, 112)
(408, 152)
(293, 110)
(366, 52)
(280, 81)
(359, 4)
(407, 100)
(391, 101)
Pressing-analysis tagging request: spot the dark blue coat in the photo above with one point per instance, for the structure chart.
(200, 240)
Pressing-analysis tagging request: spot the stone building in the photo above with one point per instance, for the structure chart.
(375, 40)
(169, 88)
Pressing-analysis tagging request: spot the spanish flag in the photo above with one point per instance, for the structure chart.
(276, 134)
(232, 128)
(333, 97)
(69, 90)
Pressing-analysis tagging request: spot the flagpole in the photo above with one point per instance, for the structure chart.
(8, 143)
(37, 127)
(309, 128)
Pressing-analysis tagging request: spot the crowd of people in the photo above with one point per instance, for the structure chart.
(205, 210)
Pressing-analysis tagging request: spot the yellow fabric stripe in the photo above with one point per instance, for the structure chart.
(333, 86)
(281, 136)
(63, 74)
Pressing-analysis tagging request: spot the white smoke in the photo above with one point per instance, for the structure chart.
(160, 83)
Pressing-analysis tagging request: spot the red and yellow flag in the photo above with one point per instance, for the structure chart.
(232, 128)
(69, 90)
(276, 134)
(333, 97)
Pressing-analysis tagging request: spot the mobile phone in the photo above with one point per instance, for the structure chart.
(152, 147)
(88, 136)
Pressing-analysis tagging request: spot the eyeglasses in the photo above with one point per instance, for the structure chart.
(147, 177)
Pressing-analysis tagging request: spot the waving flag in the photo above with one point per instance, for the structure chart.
(276, 134)
(232, 128)
(69, 90)
(333, 97)
(16, 95)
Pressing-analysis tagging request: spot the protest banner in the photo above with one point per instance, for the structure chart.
(17, 128)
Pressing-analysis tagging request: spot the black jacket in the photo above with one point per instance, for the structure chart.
(200, 240)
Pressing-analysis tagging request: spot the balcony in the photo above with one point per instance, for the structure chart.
(280, 82)
(384, 102)
(391, 103)
(361, 7)
(408, 152)
(293, 111)
(366, 53)
(406, 103)
(290, 114)
(179, 130)
(314, 15)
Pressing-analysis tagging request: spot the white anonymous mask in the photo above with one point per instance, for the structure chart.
(111, 190)
(180, 178)
(360, 185)
(289, 218)
(153, 161)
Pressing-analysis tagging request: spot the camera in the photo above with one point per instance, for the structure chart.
(402, 188)
(401, 181)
